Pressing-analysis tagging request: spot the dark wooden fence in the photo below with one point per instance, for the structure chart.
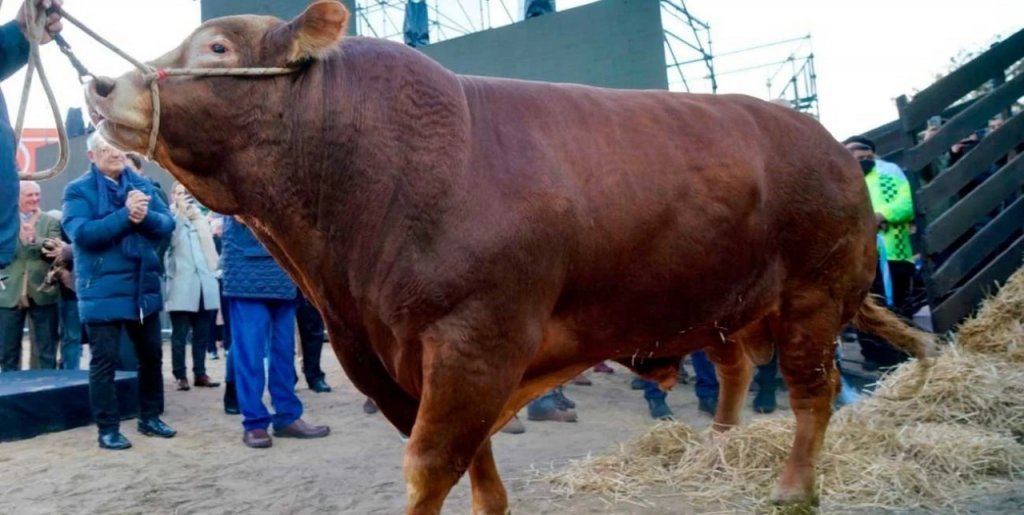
(970, 216)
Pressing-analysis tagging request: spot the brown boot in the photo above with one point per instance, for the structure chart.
(300, 429)
(204, 381)
(183, 385)
(257, 439)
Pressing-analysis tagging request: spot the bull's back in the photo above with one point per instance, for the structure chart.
(669, 205)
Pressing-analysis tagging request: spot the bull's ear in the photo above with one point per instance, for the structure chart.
(317, 30)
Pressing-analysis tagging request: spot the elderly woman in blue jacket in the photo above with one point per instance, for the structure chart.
(115, 224)
(261, 301)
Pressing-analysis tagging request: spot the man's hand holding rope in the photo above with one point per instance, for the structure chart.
(53, 19)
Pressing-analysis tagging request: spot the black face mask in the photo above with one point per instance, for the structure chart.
(867, 165)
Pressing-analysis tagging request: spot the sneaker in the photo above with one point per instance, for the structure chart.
(764, 402)
(708, 405)
(659, 409)
(182, 385)
(370, 407)
(514, 427)
(545, 409)
(561, 400)
(213, 355)
(582, 380)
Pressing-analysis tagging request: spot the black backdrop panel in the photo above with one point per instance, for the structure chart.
(612, 43)
(33, 402)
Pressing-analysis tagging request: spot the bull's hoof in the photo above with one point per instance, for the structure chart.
(506, 511)
(794, 501)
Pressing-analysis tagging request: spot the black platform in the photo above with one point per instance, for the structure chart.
(33, 402)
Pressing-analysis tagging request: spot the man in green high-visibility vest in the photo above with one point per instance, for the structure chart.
(894, 209)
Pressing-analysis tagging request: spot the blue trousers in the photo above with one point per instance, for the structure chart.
(253, 322)
(707, 380)
(70, 335)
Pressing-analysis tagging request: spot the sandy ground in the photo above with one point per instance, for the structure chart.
(357, 469)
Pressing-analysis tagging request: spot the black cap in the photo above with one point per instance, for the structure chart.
(861, 140)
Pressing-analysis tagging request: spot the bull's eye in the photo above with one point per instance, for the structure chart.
(218, 48)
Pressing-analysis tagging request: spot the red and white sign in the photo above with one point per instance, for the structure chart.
(31, 141)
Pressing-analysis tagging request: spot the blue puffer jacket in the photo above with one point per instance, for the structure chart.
(116, 262)
(13, 55)
(249, 270)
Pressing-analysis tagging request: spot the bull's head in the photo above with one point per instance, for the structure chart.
(123, 109)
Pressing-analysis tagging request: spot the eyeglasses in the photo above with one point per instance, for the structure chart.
(105, 150)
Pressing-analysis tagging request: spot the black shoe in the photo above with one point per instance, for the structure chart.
(708, 405)
(764, 402)
(230, 399)
(155, 427)
(319, 385)
(114, 441)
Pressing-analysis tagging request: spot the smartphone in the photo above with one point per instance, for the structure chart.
(934, 122)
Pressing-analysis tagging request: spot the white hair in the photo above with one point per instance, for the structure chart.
(93, 141)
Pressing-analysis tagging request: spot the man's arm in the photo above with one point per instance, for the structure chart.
(84, 231)
(13, 55)
(13, 49)
(9, 223)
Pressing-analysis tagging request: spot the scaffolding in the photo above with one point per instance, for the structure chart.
(385, 18)
(687, 45)
(789, 75)
(689, 60)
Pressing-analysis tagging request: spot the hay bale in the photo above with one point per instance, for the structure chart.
(922, 465)
(997, 328)
(899, 448)
(962, 388)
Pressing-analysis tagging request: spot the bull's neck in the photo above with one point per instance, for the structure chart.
(368, 173)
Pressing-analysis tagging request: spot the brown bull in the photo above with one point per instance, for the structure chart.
(473, 242)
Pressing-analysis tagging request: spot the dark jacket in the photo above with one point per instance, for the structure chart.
(116, 264)
(164, 244)
(249, 271)
(13, 55)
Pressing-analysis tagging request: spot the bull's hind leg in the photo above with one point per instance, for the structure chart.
(806, 349)
(468, 376)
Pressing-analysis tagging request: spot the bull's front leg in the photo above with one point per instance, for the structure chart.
(469, 373)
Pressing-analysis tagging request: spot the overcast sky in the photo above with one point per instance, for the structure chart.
(867, 52)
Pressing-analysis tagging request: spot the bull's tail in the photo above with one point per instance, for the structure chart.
(877, 320)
